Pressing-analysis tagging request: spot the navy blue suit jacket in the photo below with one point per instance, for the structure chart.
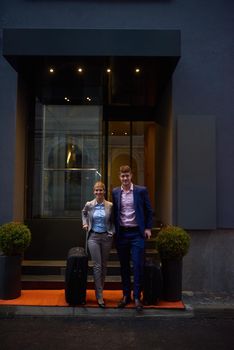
(142, 206)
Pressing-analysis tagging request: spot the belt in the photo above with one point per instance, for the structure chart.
(99, 233)
(129, 228)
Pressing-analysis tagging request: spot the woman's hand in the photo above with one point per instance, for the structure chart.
(85, 227)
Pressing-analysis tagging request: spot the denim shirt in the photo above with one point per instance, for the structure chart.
(99, 218)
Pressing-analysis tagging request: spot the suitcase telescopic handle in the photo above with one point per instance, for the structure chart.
(86, 241)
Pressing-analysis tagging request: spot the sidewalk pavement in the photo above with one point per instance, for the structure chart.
(210, 304)
(205, 305)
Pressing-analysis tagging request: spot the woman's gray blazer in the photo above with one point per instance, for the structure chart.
(87, 215)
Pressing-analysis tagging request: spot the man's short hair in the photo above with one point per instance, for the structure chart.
(125, 169)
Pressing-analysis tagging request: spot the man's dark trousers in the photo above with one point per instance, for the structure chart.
(130, 247)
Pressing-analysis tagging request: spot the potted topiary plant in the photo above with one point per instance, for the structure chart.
(15, 237)
(172, 244)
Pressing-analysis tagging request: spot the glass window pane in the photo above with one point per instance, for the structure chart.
(143, 156)
(132, 143)
(118, 151)
(68, 159)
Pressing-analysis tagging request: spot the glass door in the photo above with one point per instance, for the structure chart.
(132, 143)
(68, 152)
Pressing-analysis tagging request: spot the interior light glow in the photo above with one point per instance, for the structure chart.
(51, 70)
(80, 70)
(108, 70)
(137, 70)
(88, 98)
(97, 172)
(68, 157)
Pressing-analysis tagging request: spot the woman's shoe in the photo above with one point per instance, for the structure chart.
(101, 304)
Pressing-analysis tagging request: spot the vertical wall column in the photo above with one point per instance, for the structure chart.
(196, 172)
(8, 97)
(23, 103)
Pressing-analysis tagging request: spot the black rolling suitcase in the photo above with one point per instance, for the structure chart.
(153, 283)
(76, 276)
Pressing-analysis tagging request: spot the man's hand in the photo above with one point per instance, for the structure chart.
(85, 227)
(147, 233)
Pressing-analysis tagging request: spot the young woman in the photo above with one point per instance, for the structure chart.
(97, 218)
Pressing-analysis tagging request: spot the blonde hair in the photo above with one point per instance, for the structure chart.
(99, 184)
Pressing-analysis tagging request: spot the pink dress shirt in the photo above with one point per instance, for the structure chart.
(127, 211)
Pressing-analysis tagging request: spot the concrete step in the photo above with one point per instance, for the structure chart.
(61, 278)
(113, 269)
(112, 282)
(58, 282)
(150, 251)
(57, 267)
(50, 274)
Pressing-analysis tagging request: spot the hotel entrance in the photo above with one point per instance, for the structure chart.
(74, 147)
(83, 110)
(91, 116)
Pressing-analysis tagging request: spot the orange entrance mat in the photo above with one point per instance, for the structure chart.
(57, 298)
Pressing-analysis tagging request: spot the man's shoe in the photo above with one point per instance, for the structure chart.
(123, 302)
(138, 305)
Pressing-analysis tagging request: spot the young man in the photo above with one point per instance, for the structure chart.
(133, 223)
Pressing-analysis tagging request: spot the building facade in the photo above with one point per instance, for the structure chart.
(89, 85)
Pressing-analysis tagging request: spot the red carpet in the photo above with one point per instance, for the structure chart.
(57, 298)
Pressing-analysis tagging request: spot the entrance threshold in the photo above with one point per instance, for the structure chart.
(52, 303)
(57, 298)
